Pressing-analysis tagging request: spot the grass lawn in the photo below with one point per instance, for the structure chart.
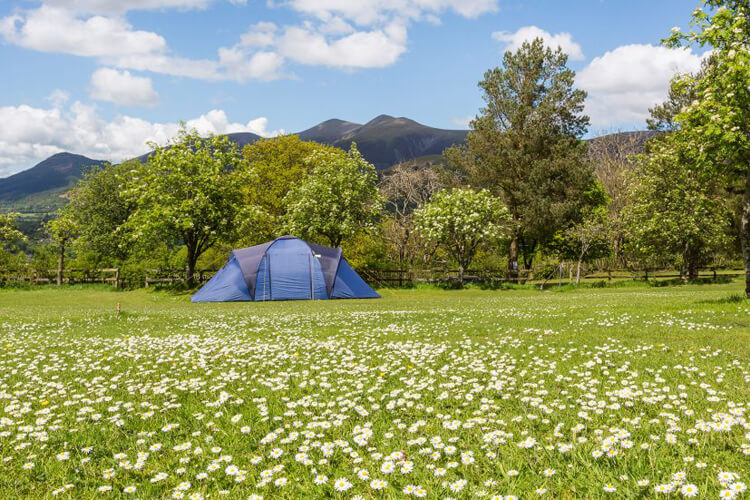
(625, 392)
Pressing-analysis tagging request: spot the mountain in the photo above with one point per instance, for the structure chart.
(56, 173)
(242, 139)
(385, 140)
(329, 131)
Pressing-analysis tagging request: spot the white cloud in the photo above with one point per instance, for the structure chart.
(259, 35)
(513, 41)
(241, 65)
(122, 6)
(372, 12)
(114, 42)
(121, 87)
(58, 98)
(623, 83)
(326, 36)
(463, 122)
(51, 29)
(29, 135)
(362, 49)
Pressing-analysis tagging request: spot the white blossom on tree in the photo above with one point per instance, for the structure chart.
(460, 220)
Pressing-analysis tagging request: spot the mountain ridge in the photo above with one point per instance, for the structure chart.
(383, 141)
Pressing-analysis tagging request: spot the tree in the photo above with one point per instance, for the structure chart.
(62, 230)
(663, 116)
(719, 118)
(272, 167)
(460, 220)
(189, 190)
(586, 240)
(99, 209)
(9, 233)
(404, 188)
(525, 146)
(338, 198)
(613, 160)
(678, 211)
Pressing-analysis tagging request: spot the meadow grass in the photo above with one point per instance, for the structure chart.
(615, 392)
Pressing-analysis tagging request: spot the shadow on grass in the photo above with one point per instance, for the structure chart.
(174, 289)
(735, 298)
(719, 280)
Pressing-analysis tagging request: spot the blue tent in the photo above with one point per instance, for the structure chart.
(286, 268)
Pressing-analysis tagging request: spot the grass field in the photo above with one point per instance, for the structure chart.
(624, 392)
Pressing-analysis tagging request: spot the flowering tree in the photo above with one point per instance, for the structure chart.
(189, 190)
(718, 119)
(460, 220)
(339, 197)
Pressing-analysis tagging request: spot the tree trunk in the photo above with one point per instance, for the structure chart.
(683, 267)
(745, 231)
(513, 260)
(460, 276)
(578, 270)
(190, 266)
(60, 264)
(692, 266)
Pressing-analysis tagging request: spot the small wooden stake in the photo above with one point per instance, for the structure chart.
(118, 309)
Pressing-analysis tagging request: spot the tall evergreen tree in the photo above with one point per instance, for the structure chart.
(525, 146)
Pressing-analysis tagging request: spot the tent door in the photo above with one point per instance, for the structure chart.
(291, 276)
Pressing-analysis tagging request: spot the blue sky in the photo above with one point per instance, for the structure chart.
(101, 77)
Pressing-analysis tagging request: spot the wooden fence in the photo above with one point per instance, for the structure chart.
(375, 277)
(70, 276)
(406, 277)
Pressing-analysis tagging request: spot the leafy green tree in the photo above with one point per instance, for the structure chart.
(586, 240)
(272, 167)
(9, 233)
(663, 116)
(189, 190)
(718, 120)
(338, 198)
(678, 211)
(100, 210)
(525, 146)
(460, 220)
(62, 230)
(10, 238)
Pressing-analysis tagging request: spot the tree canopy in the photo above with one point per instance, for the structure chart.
(460, 220)
(189, 190)
(336, 200)
(717, 121)
(525, 145)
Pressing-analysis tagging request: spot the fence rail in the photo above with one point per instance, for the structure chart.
(70, 276)
(376, 277)
(402, 277)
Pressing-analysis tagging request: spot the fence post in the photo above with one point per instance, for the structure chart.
(117, 278)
